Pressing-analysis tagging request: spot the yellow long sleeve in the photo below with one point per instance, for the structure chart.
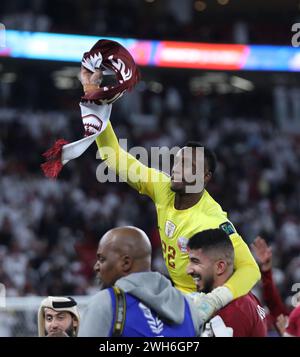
(128, 168)
(246, 273)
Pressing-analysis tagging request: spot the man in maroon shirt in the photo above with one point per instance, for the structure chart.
(278, 312)
(211, 256)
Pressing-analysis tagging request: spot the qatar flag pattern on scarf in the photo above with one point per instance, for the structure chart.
(110, 58)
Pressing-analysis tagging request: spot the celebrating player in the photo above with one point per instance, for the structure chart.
(211, 257)
(180, 213)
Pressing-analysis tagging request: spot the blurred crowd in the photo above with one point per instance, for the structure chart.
(189, 20)
(50, 229)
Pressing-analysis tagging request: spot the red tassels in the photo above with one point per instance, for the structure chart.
(53, 164)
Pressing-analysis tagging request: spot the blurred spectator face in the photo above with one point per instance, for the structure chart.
(59, 321)
(108, 266)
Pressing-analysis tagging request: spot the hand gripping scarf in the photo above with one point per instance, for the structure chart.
(111, 58)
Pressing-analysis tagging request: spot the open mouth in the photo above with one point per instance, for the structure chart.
(196, 278)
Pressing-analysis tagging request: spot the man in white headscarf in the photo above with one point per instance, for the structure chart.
(58, 316)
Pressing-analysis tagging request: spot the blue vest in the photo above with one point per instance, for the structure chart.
(141, 321)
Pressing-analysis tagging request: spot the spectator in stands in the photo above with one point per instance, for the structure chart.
(211, 256)
(58, 316)
(135, 302)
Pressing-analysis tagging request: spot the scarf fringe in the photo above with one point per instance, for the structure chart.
(53, 164)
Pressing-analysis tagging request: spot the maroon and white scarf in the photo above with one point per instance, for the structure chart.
(111, 58)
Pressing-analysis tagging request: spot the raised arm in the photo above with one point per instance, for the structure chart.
(127, 167)
(131, 170)
(271, 294)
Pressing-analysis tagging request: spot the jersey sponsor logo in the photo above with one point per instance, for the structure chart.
(261, 312)
(227, 228)
(182, 244)
(169, 229)
(155, 324)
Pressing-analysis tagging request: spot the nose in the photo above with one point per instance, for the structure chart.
(53, 325)
(96, 267)
(189, 269)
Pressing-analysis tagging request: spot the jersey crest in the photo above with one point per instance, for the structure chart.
(169, 229)
(182, 244)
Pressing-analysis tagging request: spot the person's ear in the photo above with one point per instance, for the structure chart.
(126, 263)
(75, 322)
(207, 177)
(220, 267)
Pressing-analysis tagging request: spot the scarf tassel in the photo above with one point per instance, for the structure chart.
(53, 164)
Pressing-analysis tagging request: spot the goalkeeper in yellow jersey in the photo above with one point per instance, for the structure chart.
(181, 214)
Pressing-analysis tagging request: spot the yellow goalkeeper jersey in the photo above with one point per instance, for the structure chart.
(177, 226)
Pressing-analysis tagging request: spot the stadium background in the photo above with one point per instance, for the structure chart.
(49, 230)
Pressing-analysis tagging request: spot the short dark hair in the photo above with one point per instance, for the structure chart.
(212, 240)
(209, 154)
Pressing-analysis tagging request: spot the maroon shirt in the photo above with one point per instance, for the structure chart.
(272, 299)
(294, 322)
(271, 295)
(246, 316)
